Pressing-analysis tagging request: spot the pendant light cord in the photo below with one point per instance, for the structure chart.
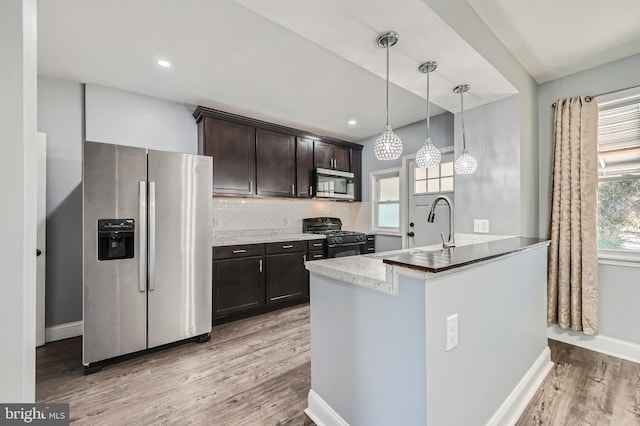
(387, 82)
(464, 142)
(428, 117)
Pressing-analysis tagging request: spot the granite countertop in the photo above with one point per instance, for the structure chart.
(244, 238)
(445, 259)
(376, 271)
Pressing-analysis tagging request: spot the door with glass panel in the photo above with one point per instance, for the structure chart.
(424, 185)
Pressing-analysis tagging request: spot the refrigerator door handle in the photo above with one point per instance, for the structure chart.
(142, 283)
(152, 235)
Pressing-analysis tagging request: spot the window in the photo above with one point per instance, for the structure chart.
(619, 174)
(433, 180)
(385, 186)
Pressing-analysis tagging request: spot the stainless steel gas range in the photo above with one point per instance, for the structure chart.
(339, 243)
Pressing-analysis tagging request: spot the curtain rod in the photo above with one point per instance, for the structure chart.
(589, 98)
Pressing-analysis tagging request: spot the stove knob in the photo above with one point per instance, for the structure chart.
(338, 240)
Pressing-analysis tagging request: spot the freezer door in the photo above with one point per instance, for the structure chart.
(180, 246)
(115, 314)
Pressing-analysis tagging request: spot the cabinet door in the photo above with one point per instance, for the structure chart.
(322, 155)
(286, 277)
(342, 158)
(238, 285)
(233, 149)
(275, 163)
(356, 168)
(304, 167)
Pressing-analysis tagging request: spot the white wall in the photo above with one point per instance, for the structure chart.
(493, 191)
(18, 162)
(619, 285)
(126, 118)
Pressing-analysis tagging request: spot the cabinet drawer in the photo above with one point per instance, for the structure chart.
(371, 238)
(370, 248)
(286, 247)
(227, 252)
(316, 254)
(316, 244)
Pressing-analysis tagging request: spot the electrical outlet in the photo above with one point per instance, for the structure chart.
(216, 222)
(481, 226)
(285, 221)
(452, 331)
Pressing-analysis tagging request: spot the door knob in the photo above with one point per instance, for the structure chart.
(38, 252)
(411, 234)
(411, 224)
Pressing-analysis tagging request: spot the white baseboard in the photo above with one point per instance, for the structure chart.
(63, 331)
(515, 404)
(606, 345)
(321, 413)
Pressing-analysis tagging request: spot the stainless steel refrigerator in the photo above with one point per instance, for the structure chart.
(147, 236)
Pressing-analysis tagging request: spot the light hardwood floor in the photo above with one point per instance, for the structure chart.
(256, 371)
(586, 388)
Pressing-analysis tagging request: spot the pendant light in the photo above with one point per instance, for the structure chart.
(465, 164)
(388, 146)
(428, 156)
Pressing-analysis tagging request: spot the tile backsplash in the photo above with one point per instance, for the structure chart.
(246, 214)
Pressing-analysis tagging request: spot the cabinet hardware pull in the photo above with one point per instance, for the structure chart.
(287, 246)
(260, 265)
(250, 186)
(293, 189)
(317, 256)
(310, 190)
(317, 244)
(239, 251)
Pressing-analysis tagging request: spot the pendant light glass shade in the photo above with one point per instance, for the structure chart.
(465, 164)
(428, 156)
(388, 146)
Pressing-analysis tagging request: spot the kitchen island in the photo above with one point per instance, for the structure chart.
(429, 335)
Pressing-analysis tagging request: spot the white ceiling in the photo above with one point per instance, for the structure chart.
(554, 38)
(314, 64)
(311, 65)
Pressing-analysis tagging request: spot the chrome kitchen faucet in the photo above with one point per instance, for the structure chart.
(432, 217)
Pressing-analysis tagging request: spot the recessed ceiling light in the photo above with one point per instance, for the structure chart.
(164, 63)
(352, 122)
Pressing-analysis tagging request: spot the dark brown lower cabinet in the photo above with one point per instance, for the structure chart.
(238, 285)
(287, 277)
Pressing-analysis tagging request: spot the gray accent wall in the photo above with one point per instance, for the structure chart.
(112, 116)
(60, 117)
(619, 285)
(493, 191)
(412, 136)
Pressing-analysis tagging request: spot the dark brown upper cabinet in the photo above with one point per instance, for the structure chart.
(253, 157)
(304, 167)
(233, 148)
(330, 156)
(356, 168)
(275, 164)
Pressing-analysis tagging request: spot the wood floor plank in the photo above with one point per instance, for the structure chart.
(586, 388)
(257, 371)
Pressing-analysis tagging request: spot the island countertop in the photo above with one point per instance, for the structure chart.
(442, 260)
(378, 271)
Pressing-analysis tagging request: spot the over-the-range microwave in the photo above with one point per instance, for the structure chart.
(334, 184)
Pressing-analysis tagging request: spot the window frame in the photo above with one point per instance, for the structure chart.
(374, 178)
(607, 256)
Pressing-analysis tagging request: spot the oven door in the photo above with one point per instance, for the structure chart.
(342, 250)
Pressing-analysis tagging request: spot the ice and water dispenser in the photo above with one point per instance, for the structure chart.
(115, 238)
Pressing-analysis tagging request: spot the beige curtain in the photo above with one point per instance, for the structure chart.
(572, 293)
